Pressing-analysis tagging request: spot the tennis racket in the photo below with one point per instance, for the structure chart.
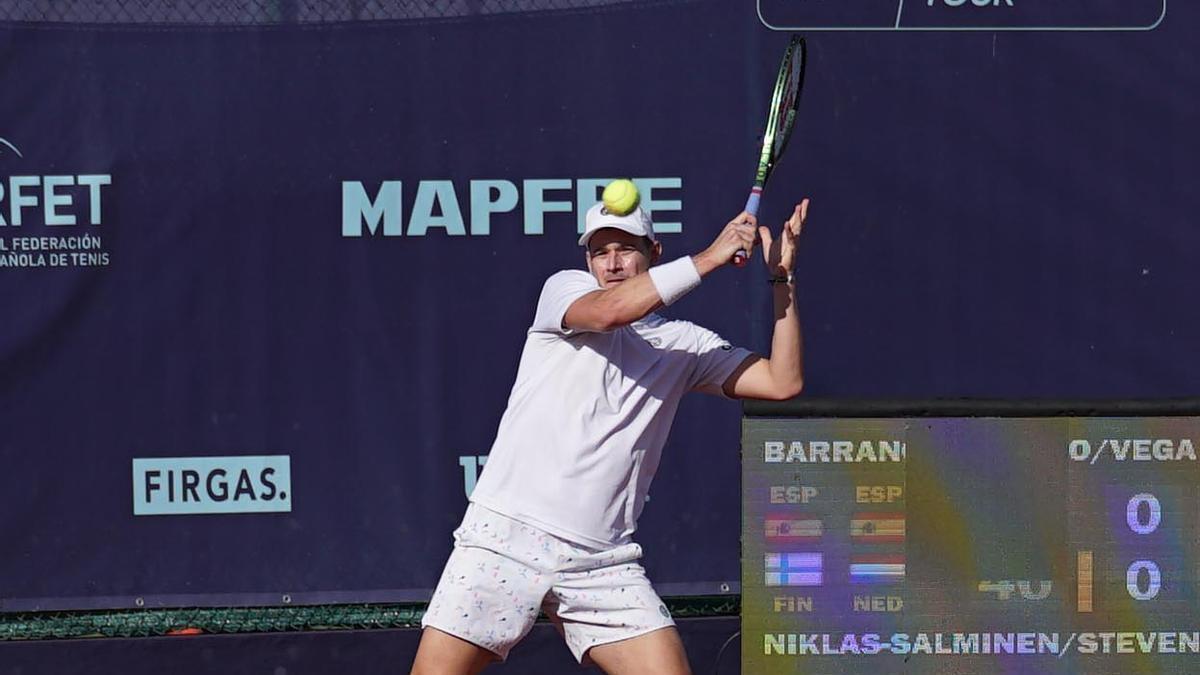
(781, 117)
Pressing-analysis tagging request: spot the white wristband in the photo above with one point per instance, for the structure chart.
(674, 279)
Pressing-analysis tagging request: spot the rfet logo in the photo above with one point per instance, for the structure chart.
(5, 144)
(59, 199)
(49, 220)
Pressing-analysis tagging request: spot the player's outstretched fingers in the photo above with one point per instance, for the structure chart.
(764, 233)
(799, 215)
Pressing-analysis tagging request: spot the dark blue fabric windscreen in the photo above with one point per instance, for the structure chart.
(266, 275)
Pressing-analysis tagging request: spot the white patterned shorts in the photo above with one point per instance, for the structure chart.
(502, 571)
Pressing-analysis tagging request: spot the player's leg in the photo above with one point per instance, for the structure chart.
(610, 615)
(658, 652)
(444, 654)
(488, 597)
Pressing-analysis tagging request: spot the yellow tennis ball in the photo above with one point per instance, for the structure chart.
(621, 197)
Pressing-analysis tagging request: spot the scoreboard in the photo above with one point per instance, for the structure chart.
(986, 15)
(971, 545)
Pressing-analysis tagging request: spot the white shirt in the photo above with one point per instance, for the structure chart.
(588, 416)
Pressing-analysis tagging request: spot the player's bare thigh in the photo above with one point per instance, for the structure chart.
(658, 652)
(443, 654)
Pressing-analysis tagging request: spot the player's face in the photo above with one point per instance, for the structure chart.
(614, 256)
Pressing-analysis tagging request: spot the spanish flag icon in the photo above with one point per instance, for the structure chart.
(869, 528)
(787, 530)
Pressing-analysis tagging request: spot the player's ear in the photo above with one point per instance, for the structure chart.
(655, 252)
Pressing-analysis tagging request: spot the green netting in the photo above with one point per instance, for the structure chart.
(157, 622)
(144, 623)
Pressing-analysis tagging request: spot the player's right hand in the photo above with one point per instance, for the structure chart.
(740, 234)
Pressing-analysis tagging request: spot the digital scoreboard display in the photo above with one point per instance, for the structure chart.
(971, 545)
(990, 15)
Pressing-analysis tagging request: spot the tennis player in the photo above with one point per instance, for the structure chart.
(551, 521)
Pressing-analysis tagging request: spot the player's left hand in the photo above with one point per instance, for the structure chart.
(779, 254)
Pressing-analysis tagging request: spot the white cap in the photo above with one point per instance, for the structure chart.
(599, 217)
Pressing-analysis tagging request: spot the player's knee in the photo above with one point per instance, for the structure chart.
(440, 653)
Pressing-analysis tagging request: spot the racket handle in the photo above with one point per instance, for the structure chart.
(742, 257)
(752, 202)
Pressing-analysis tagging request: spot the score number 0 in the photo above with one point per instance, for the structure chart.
(1140, 525)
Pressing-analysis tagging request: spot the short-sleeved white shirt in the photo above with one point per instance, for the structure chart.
(589, 413)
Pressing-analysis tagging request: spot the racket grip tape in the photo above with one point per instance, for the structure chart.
(742, 257)
(752, 202)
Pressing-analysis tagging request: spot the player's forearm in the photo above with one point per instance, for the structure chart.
(635, 297)
(660, 285)
(623, 304)
(706, 262)
(787, 342)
